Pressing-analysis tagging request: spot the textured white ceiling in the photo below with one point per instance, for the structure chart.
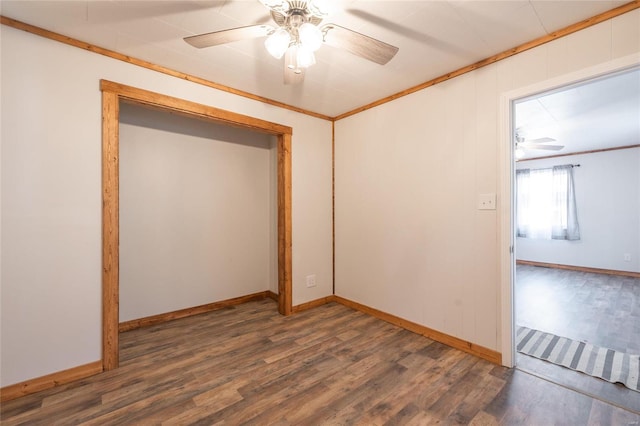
(597, 114)
(434, 37)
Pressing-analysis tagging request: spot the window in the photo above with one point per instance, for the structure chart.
(546, 204)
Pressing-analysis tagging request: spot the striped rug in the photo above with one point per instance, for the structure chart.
(607, 364)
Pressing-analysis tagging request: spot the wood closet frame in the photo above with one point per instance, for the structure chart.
(112, 95)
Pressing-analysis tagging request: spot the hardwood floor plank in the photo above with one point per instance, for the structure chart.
(605, 414)
(213, 400)
(479, 395)
(423, 418)
(483, 419)
(445, 372)
(528, 400)
(595, 308)
(355, 405)
(377, 405)
(327, 365)
(259, 399)
(403, 416)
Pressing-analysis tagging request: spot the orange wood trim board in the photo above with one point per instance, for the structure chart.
(49, 381)
(144, 64)
(605, 16)
(313, 304)
(285, 239)
(471, 348)
(196, 310)
(580, 268)
(151, 99)
(273, 296)
(76, 373)
(112, 94)
(80, 372)
(110, 230)
(495, 58)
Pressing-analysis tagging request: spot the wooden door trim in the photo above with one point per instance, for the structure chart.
(112, 95)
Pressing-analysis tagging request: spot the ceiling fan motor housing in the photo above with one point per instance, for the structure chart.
(300, 21)
(297, 14)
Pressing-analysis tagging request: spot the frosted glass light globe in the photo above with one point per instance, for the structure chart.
(305, 57)
(278, 42)
(310, 36)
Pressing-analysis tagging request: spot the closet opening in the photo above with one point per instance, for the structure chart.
(276, 140)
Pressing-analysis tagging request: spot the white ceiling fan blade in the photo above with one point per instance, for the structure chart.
(227, 36)
(540, 140)
(358, 44)
(530, 145)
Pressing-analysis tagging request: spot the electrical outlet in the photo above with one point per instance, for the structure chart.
(627, 257)
(311, 280)
(486, 201)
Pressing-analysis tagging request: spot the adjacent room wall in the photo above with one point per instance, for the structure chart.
(51, 197)
(607, 188)
(195, 212)
(410, 239)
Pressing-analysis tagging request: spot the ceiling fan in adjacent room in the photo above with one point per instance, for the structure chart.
(298, 35)
(523, 144)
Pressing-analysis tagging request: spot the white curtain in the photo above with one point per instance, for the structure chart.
(522, 202)
(546, 204)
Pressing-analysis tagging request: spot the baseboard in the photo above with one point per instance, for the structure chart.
(471, 348)
(76, 373)
(313, 304)
(196, 310)
(273, 296)
(580, 268)
(59, 378)
(49, 381)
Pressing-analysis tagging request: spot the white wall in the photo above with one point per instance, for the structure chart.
(607, 188)
(408, 241)
(409, 238)
(195, 217)
(51, 197)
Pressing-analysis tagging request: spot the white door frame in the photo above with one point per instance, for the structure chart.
(506, 187)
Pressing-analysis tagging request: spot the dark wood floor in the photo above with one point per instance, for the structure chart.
(329, 365)
(601, 309)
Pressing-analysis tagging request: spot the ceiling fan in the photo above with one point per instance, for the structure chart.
(523, 144)
(298, 35)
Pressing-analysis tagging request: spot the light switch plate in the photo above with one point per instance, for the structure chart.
(486, 201)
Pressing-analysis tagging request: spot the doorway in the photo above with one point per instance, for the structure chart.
(533, 287)
(507, 188)
(112, 96)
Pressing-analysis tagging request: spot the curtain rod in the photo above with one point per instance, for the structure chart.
(549, 168)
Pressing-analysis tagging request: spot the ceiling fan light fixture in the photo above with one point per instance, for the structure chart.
(298, 57)
(278, 42)
(305, 57)
(319, 8)
(310, 36)
(298, 35)
(277, 5)
(291, 59)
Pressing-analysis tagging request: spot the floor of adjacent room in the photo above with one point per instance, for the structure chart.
(328, 365)
(597, 308)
